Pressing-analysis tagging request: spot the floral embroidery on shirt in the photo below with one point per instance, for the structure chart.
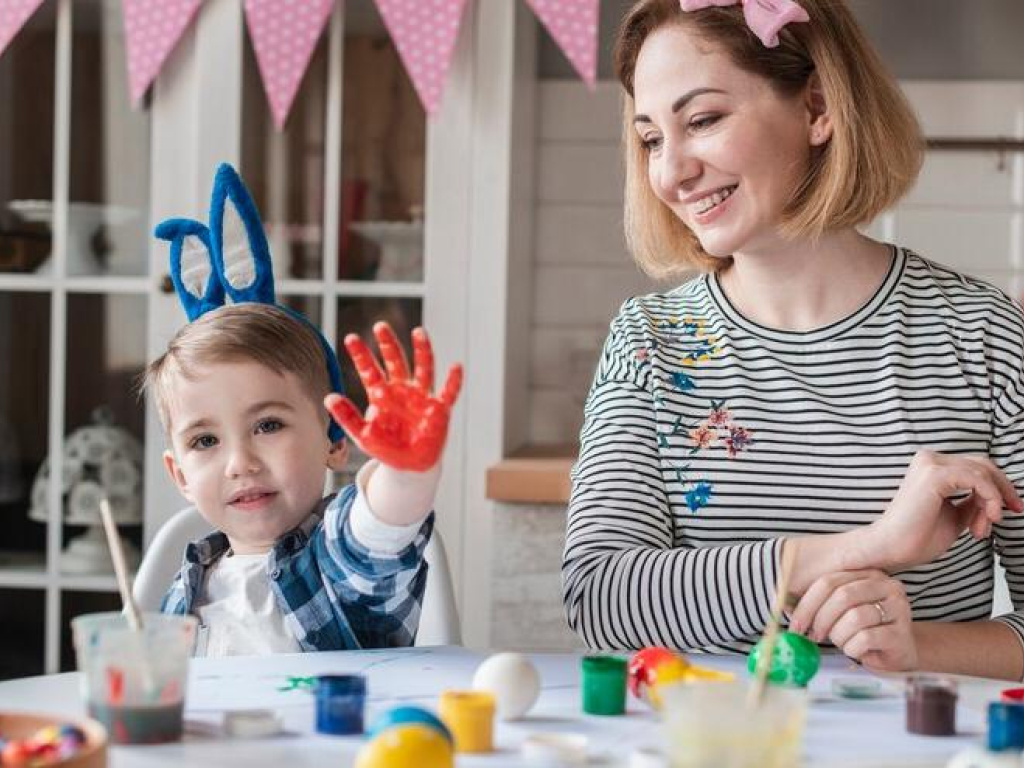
(698, 495)
(738, 439)
(718, 428)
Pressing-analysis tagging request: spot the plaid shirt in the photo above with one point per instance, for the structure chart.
(335, 593)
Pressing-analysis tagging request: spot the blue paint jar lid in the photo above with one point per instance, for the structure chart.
(409, 715)
(1005, 726)
(341, 685)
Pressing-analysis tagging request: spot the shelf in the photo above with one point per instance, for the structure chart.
(351, 288)
(27, 570)
(31, 283)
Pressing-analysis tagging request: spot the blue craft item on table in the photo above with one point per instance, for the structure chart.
(409, 715)
(1005, 726)
(340, 700)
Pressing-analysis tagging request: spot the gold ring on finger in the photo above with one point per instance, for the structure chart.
(883, 617)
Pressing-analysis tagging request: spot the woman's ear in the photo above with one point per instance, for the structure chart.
(177, 476)
(819, 118)
(337, 457)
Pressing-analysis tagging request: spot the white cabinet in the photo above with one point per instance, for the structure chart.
(83, 297)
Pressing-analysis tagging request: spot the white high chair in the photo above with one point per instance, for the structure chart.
(439, 619)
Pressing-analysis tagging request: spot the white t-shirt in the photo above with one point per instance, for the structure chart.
(239, 614)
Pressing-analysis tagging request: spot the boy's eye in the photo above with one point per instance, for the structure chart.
(202, 442)
(267, 426)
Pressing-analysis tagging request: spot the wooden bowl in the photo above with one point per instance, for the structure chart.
(21, 725)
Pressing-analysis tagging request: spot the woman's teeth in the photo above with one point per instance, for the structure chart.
(717, 198)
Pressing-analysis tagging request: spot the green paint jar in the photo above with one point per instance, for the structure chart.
(604, 685)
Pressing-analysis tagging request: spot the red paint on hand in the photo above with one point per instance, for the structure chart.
(405, 425)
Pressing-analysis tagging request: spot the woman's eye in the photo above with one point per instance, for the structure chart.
(704, 121)
(650, 143)
(202, 442)
(266, 426)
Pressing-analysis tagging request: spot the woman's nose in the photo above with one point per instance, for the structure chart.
(674, 170)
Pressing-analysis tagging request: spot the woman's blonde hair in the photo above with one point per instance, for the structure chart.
(871, 160)
(239, 333)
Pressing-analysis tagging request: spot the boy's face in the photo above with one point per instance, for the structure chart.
(249, 447)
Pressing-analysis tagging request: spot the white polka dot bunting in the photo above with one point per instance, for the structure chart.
(424, 32)
(284, 35)
(13, 15)
(573, 25)
(152, 28)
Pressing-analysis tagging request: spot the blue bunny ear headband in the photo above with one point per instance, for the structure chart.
(231, 259)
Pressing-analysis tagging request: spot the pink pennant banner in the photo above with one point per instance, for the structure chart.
(424, 32)
(152, 28)
(284, 35)
(13, 15)
(573, 25)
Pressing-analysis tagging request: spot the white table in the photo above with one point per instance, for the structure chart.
(839, 732)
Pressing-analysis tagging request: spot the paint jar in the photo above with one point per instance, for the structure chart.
(133, 682)
(603, 684)
(931, 706)
(469, 717)
(711, 724)
(340, 701)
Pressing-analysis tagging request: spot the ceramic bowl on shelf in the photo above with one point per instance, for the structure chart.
(92, 754)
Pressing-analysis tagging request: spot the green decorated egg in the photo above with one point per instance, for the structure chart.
(795, 660)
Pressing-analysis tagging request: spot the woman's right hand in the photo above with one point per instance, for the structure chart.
(921, 523)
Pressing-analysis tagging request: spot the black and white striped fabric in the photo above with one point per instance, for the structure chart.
(708, 439)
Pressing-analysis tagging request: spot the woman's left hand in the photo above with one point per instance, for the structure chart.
(865, 614)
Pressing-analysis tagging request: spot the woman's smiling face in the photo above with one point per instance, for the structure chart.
(725, 151)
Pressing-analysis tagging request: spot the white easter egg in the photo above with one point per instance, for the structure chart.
(513, 681)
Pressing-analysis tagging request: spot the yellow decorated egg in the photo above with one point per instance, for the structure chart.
(407, 745)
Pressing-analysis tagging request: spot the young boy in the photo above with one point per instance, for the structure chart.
(241, 395)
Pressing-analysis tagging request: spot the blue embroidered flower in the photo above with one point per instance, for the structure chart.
(698, 496)
(682, 382)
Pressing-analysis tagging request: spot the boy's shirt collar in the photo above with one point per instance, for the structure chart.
(207, 550)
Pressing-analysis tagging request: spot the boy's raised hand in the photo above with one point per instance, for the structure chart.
(405, 424)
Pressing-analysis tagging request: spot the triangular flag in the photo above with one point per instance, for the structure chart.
(424, 32)
(152, 28)
(13, 15)
(573, 25)
(284, 35)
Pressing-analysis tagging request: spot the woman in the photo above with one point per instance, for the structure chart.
(813, 391)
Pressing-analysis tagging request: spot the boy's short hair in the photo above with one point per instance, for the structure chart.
(247, 332)
(871, 161)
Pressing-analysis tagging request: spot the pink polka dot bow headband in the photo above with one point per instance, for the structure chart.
(766, 18)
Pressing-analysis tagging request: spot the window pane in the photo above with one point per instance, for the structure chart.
(109, 183)
(26, 143)
(21, 642)
(284, 171)
(24, 425)
(106, 353)
(74, 604)
(383, 161)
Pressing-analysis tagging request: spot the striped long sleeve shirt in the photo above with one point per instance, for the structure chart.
(708, 439)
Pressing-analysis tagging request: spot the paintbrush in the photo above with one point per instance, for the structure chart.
(771, 632)
(120, 570)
